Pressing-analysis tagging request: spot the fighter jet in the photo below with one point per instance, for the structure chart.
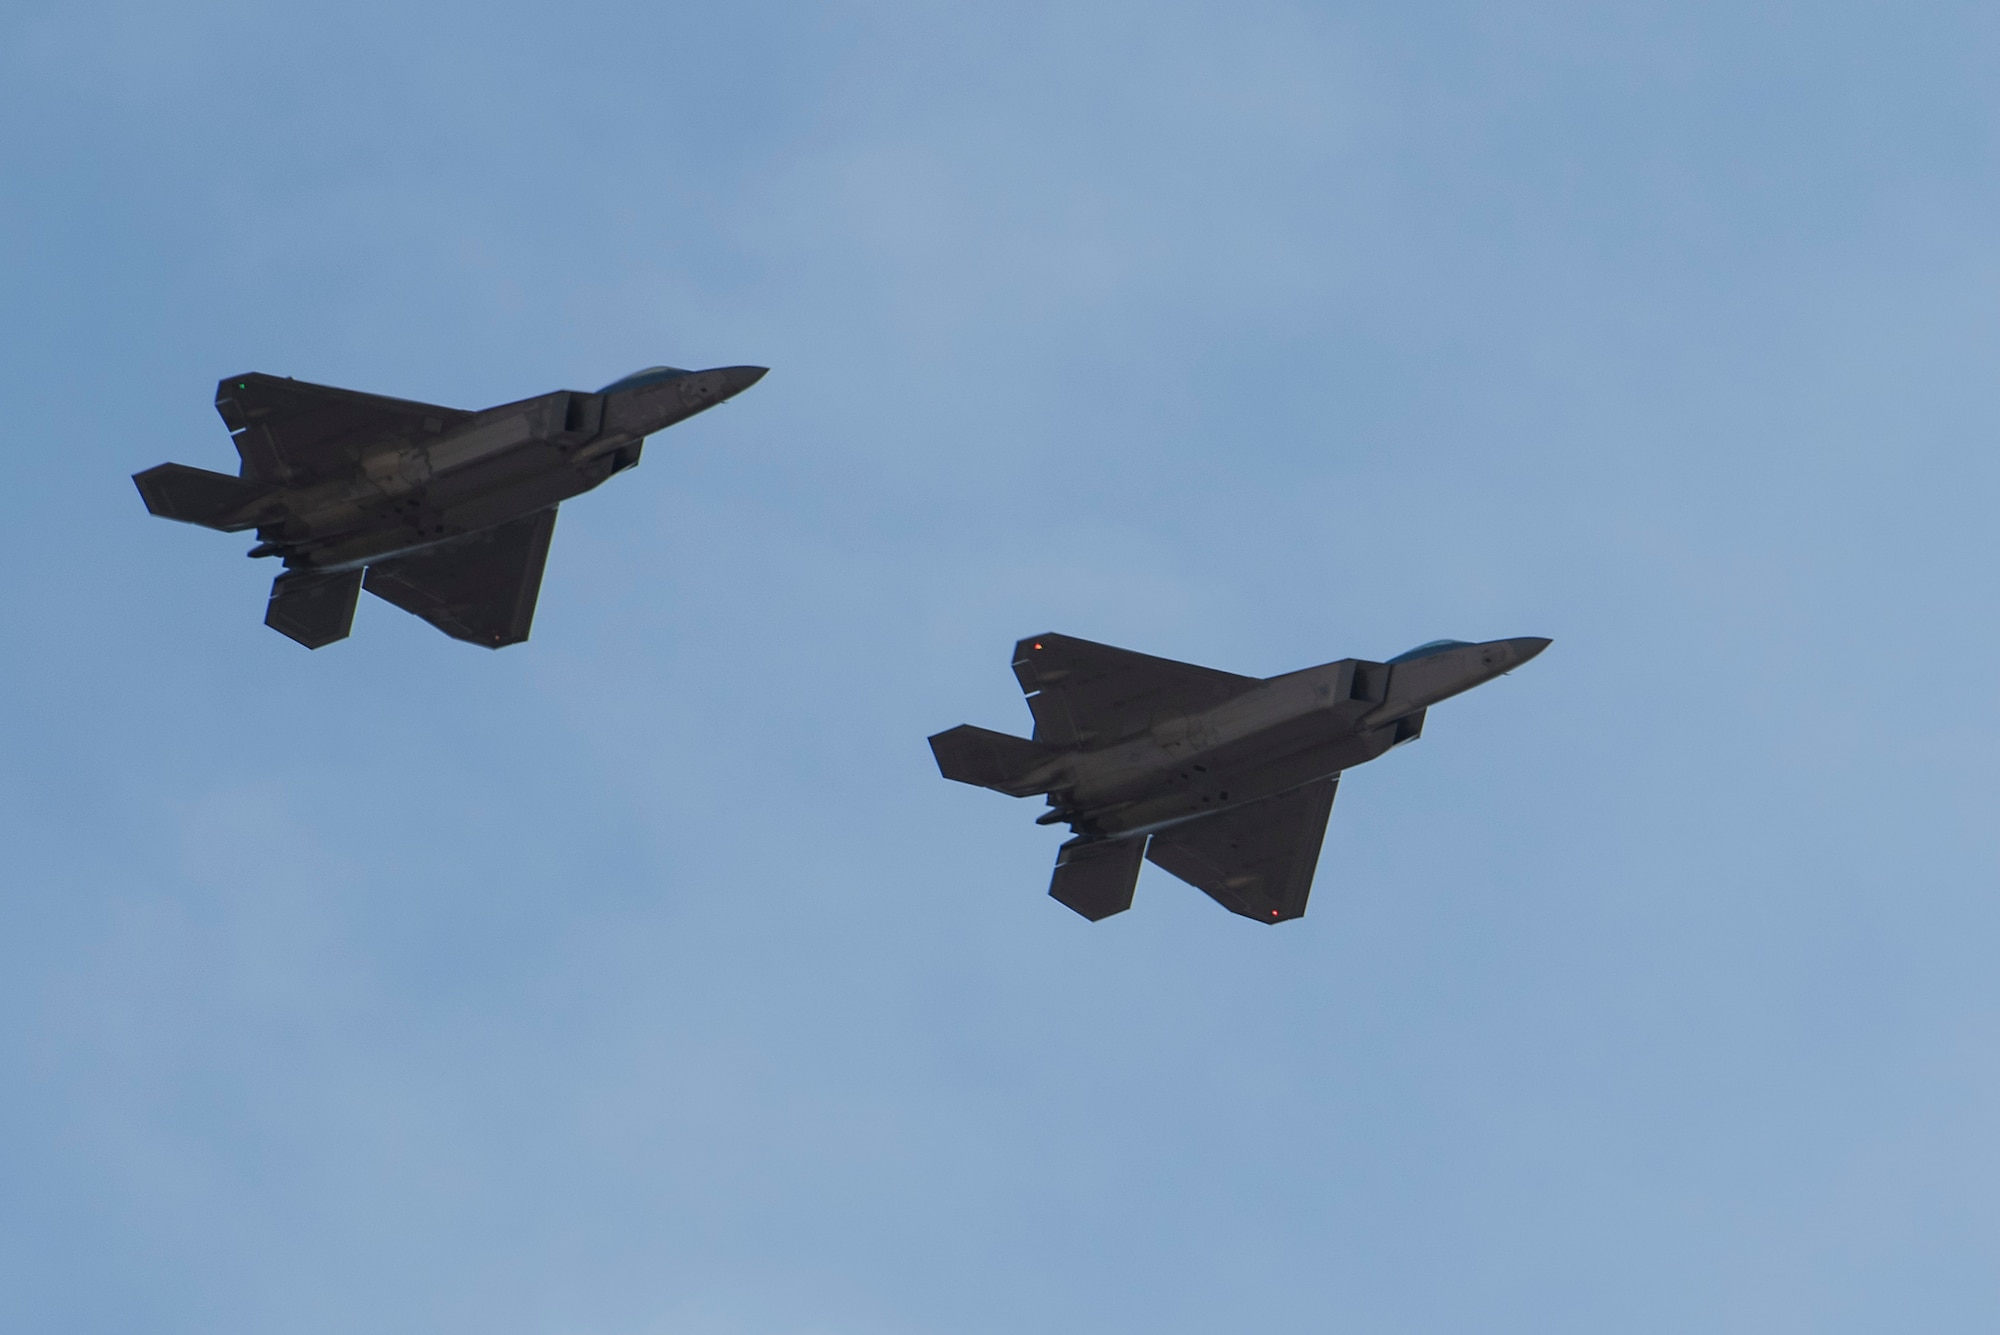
(443, 512)
(1224, 781)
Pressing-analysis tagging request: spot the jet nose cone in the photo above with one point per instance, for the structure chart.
(1526, 647)
(736, 379)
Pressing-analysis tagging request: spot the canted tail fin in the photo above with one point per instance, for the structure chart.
(197, 496)
(987, 759)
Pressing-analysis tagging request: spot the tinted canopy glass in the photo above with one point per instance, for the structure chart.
(646, 377)
(1427, 649)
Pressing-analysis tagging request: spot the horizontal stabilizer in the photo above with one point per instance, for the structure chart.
(1096, 877)
(312, 607)
(197, 496)
(987, 759)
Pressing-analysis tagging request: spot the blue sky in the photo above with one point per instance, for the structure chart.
(646, 979)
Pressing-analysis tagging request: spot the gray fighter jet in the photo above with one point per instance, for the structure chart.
(443, 512)
(1224, 781)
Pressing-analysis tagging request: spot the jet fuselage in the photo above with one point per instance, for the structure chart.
(1226, 781)
(1287, 731)
(446, 513)
(506, 461)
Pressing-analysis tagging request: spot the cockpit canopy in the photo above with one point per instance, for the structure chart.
(1427, 649)
(650, 376)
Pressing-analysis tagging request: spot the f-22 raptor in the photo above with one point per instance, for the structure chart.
(1224, 781)
(443, 512)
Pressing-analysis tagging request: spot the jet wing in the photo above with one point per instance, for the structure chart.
(294, 434)
(1256, 859)
(1085, 694)
(480, 588)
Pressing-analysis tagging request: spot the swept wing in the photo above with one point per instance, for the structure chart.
(294, 434)
(1087, 694)
(1256, 859)
(480, 588)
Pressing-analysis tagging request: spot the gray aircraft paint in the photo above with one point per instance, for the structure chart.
(446, 513)
(1225, 781)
